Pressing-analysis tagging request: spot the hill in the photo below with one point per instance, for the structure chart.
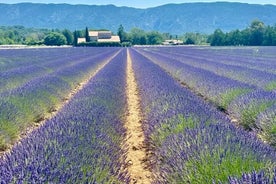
(172, 18)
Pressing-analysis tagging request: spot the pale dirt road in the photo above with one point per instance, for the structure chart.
(136, 154)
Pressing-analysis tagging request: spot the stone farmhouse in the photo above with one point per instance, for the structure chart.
(100, 36)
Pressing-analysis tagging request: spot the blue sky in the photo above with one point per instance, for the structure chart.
(137, 3)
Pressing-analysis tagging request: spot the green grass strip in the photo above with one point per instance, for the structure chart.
(218, 167)
(230, 95)
(174, 125)
(250, 114)
(271, 86)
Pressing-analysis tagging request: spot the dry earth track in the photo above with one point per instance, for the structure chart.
(136, 154)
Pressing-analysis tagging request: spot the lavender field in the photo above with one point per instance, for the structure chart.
(207, 115)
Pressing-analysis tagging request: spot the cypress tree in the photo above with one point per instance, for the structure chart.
(87, 38)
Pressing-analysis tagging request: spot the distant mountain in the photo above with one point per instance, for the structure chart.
(172, 18)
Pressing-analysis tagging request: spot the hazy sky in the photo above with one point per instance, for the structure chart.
(137, 3)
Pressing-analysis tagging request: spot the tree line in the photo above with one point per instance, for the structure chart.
(257, 34)
(138, 36)
(31, 36)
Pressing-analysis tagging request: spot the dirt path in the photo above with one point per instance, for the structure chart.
(136, 155)
(58, 107)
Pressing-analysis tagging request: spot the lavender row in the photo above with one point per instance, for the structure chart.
(222, 67)
(12, 59)
(191, 141)
(36, 64)
(30, 102)
(257, 111)
(218, 89)
(84, 143)
(245, 103)
(254, 177)
(257, 58)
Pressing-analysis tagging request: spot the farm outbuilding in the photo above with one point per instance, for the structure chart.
(100, 36)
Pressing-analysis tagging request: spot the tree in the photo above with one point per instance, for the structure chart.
(236, 37)
(167, 36)
(189, 41)
(245, 36)
(269, 38)
(143, 40)
(138, 36)
(55, 38)
(75, 42)
(122, 34)
(198, 38)
(217, 39)
(257, 32)
(154, 38)
(87, 37)
(69, 36)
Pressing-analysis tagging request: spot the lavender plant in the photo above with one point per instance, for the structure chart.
(31, 100)
(266, 124)
(219, 90)
(190, 141)
(84, 143)
(248, 107)
(254, 177)
(222, 80)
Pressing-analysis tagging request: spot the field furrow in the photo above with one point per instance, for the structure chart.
(137, 152)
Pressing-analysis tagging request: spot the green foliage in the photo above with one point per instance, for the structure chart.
(195, 38)
(31, 36)
(218, 38)
(87, 37)
(135, 37)
(122, 34)
(189, 41)
(126, 44)
(249, 115)
(269, 134)
(205, 163)
(227, 97)
(154, 38)
(55, 38)
(174, 125)
(69, 36)
(257, 32)
(77, 34)
(27, 109)
(9, 132)
(271, 86)
(211, 168)
(267, 126)
(21, 35)
(140, 37)
(256, 35)
(100, 44)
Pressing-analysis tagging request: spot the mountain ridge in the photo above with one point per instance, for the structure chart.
(171, 18)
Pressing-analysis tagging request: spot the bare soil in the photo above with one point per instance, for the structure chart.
(137, 153)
